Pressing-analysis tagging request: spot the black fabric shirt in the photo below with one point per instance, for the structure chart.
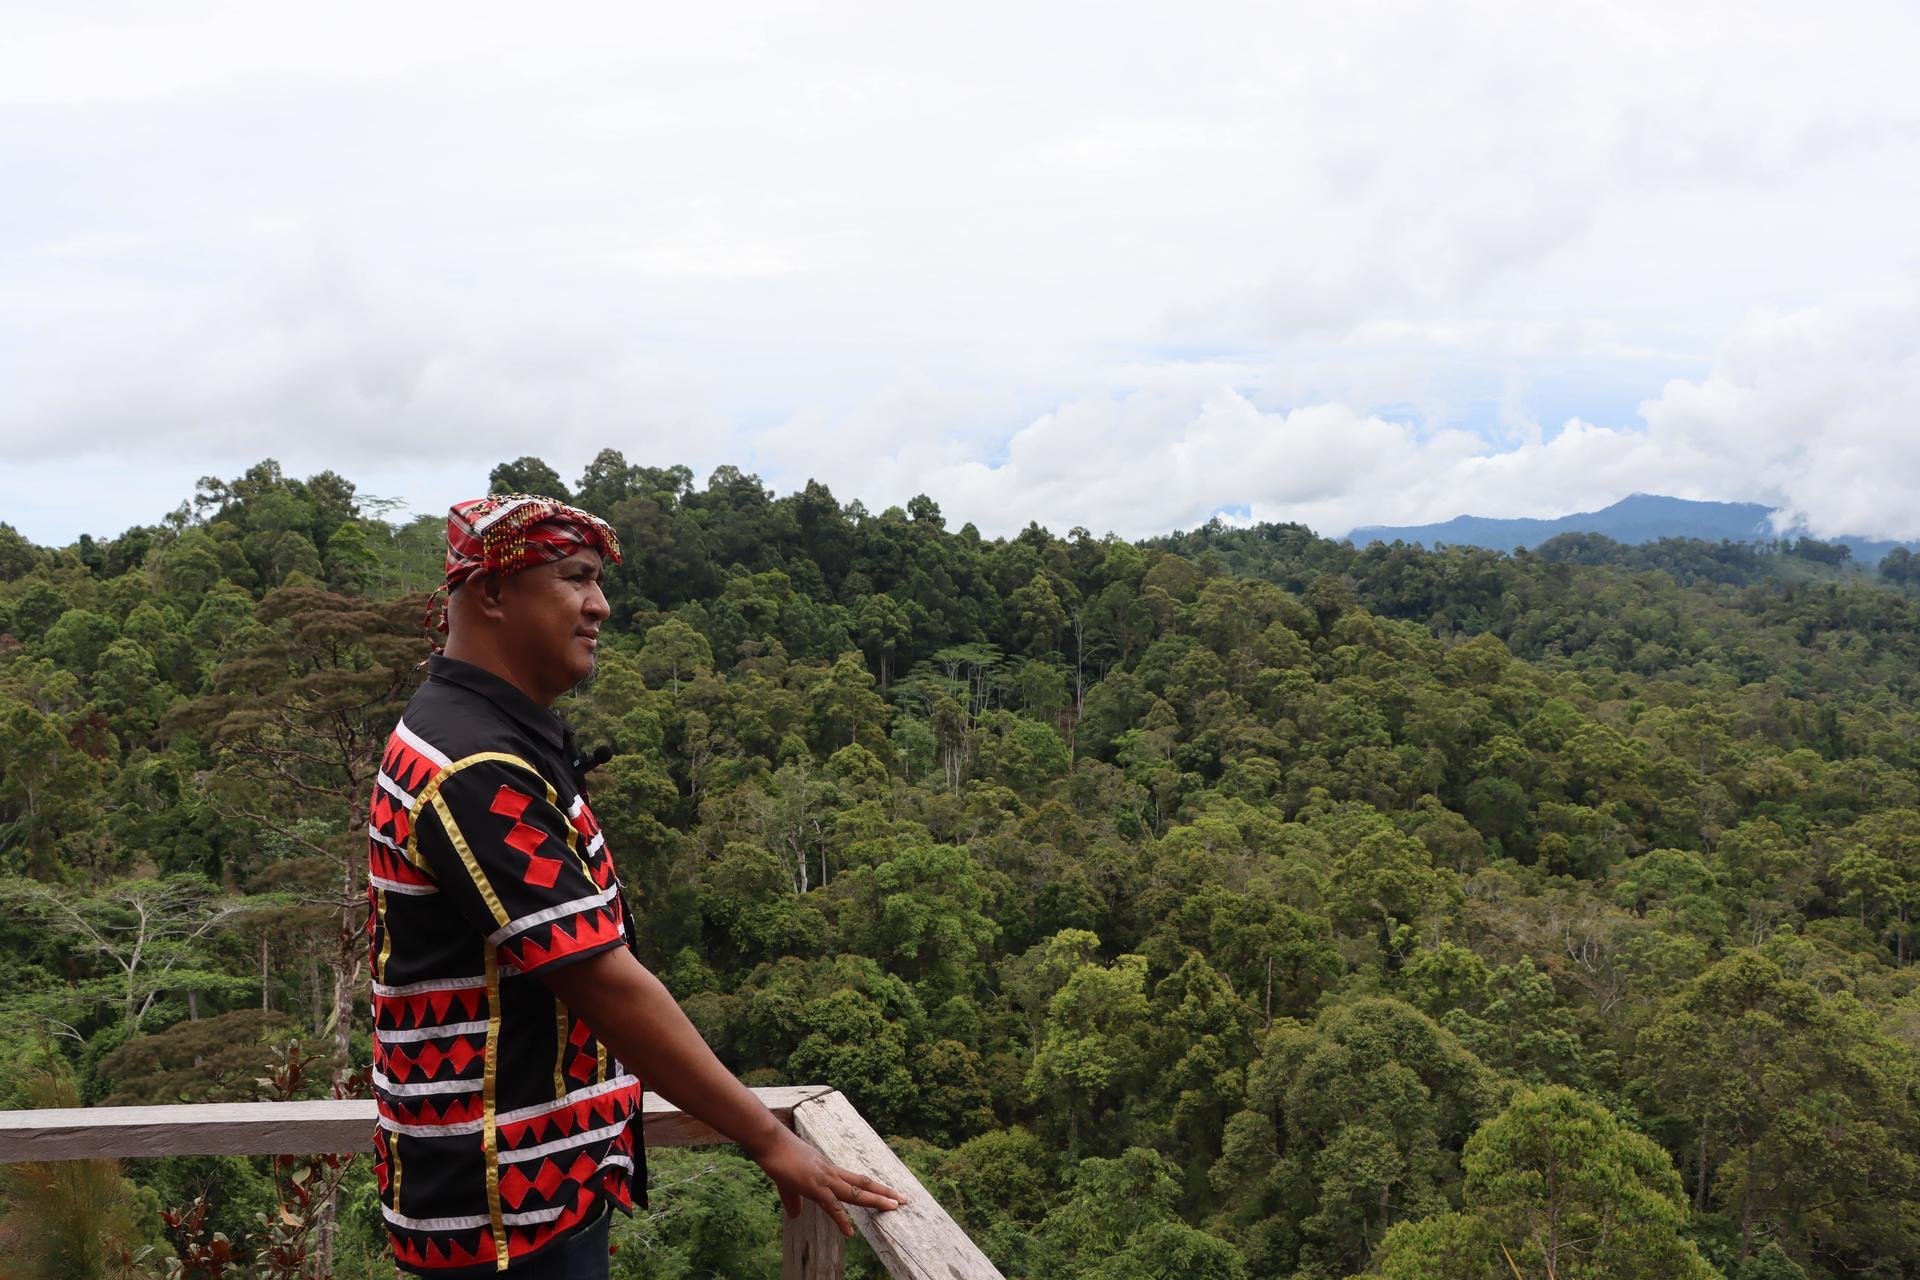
(504, 1123)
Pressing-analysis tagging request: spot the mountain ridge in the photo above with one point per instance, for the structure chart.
(1636, 519)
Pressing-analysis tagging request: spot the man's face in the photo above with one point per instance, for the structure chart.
(554, 612)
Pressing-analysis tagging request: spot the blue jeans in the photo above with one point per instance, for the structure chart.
(582, 1258)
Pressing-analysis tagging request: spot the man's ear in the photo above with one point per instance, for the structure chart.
(487, 594)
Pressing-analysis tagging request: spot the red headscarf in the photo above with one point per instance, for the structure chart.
(507, 532)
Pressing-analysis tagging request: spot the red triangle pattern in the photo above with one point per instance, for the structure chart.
(516, 1189)
(440, 1251)
(402, 1064)
(389, 816)
(589, 1113)
(388, 865)
(592, 928)
(524, 1240)
(576, 1178)
(548, 1180)
(395, 1013)
(457, 1109)
(405, 765)
(619, 1186)
(514, 1186)
(588, 826)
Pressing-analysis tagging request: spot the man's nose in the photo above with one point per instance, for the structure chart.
(596, 606)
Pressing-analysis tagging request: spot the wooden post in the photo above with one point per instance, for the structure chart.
(812, 1247)
(917, 1241)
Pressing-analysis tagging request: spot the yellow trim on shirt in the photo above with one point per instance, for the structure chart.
(430, 794)
(489, 1136)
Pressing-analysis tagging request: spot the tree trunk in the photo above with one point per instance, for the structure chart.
(266, 1004)
(1746, 1208)
(1700, 1177)
(1269, 1009)
(316, 997)
(346, 979)
(193, 1005)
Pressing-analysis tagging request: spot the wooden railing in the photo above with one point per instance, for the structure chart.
(918, 1241)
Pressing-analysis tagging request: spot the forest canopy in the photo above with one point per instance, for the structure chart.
(1237, 903)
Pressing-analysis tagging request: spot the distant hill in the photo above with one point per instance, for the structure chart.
(1641, 518)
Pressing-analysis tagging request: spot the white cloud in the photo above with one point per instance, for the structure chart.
(1038, 265)
(1812, 411)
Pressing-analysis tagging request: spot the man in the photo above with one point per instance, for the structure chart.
(513, 1024)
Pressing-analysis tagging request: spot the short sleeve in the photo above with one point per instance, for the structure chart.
(512, 864)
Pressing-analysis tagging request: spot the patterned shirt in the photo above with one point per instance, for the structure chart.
(504, 1122)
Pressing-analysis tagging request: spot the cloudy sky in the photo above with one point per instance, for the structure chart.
(1118, 266)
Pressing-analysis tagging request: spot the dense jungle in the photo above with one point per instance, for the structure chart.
(1232, 904)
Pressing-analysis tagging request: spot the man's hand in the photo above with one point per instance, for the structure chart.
(802, 1173)
(639, 1020)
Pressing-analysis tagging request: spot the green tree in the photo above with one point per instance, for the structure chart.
(18, 557)
(886, 631)
(1880, 872)
(300, 720)
(924, 909)
(1799, 1115)
(73, 1219)
(152, 936)
(672, 652)
(845, 709)
(78, 638)
(1119, 1224)
(528, 475)
(1092, 1047)
(1568, 1188)
(1351, 1125)
(1038, 617)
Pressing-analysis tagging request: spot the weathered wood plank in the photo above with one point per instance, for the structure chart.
(917, 1241)
(276, 1128)
(812, 1247)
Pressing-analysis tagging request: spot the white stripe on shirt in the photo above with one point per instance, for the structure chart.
(430, 1033)
(525, 923)
(440, 758)
(401, 886)
(561, 1144)
(578, 1095)
(401, 1220)
(459, 1130)
(393, 788)
(431, 984)
(425, 1087)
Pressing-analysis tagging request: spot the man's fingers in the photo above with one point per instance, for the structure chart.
(859, 1189)
(860, 1182)
(831, 1203)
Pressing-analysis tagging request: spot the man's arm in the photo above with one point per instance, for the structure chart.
(638, 1018)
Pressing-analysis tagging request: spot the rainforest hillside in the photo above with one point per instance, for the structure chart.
(1232, 904)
